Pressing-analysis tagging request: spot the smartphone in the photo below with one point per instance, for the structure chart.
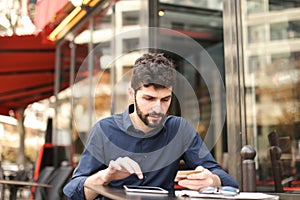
(145, 189)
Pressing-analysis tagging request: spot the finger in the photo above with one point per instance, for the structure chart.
(205, 173)
(125, 166)
(184, 174)
(192, 184)
(131, 166)
(117, 165)
(136, 167)
(199, 168)
(114, 165)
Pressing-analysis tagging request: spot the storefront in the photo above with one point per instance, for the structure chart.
(248, 48)
(262, 73)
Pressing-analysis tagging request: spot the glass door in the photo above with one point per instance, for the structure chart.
(268, 58)
(202, 68)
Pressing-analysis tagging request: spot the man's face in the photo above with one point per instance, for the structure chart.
(152, 104)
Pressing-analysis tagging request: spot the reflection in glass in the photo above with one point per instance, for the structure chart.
(272, 79)
(285, 30)
(256, 34)
(206, 4)
(255, 6)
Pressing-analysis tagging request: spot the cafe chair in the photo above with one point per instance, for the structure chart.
(60, 177)
(39, 193)
(281, 160)
(54, 177)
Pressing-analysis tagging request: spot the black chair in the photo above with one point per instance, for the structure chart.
(39, 193)
(58, 180)
(281, 160)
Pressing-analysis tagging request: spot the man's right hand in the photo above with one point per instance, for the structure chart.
(117, 169)
(122, 168)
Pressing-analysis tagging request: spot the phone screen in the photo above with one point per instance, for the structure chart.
(145, 189)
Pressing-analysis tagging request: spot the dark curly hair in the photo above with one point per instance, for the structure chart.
(153, 69)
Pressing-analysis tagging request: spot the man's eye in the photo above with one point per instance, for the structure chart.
(166, 99)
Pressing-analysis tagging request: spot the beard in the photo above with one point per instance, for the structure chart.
(145, 119)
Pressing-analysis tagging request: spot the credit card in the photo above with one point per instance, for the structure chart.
(182, 174)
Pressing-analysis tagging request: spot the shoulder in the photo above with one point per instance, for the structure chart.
(181, 125)
(105, 123)
(109, 121)
(105, 128)
(176, 121)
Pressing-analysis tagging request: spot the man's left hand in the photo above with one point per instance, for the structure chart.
(202, 178)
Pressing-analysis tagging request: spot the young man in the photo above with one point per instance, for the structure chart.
(143, 145)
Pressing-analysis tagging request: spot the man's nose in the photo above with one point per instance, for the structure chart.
(157, 108)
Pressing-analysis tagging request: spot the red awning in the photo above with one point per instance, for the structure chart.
(26, 71)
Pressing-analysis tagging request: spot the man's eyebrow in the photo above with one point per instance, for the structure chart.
(169, 96)
(148, 95)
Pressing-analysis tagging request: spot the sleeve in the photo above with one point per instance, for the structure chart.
(197, 154)
(89, 164)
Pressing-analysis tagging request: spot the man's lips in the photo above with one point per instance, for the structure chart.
(155, 117)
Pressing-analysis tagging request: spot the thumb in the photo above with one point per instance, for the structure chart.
(200, 169)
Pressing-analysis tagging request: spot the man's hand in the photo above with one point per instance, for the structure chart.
(204, 177)
(122, 168)
(116, 170)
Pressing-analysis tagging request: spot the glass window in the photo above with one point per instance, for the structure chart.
(255, 6)
(272, 71)
(131, 43)
(130, 17)
(294, 29)
(97, 95)
(206, 4)
(256, 34)
(285, 30)
(205, 28)
(282, 5)
(256, 64)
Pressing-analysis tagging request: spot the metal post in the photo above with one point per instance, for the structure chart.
(72, 78)
(56, 91)
(234, 86)
(153, 22)
(113, 55)
(56, 87)
(90, 72)
(249, 174)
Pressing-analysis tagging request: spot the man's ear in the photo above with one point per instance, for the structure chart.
(131, 95)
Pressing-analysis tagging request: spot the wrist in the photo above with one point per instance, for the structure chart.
(102, 178)
(93, 181)
(97, 179)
